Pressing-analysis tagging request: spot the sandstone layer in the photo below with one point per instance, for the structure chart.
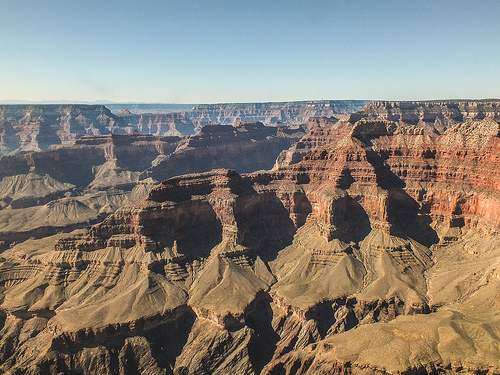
(377, 253)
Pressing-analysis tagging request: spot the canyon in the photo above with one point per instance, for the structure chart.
(368, 245)
(38, 127)
(43, 193)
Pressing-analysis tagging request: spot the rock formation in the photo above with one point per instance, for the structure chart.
(271, 113)
(377, 253)
(37, 127)
(323, 130)
(433, 116)
(68, 187)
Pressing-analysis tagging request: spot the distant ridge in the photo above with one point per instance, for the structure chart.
(29, 127)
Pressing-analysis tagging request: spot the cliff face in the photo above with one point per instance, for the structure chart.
(271, 113)
(377, 252)
(437, 115)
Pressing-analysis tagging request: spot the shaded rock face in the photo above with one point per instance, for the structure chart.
(65, 188)
(384, 241)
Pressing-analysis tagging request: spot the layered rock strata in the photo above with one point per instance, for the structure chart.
(433, 116)
(36, 127)
(376, 253)
(64, 188)
(271, 113)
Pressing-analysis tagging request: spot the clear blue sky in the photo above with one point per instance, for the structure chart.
(197, 51)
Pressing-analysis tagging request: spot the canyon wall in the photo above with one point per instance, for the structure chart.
(432, 115)
(271, 113)
(37, 127)
(68, 187)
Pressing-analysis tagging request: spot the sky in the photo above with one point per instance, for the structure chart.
(197, 51)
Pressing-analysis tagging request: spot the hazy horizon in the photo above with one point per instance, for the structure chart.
(107, 102)
(240, 52)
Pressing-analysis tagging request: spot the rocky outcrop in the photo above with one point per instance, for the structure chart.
(383, 241)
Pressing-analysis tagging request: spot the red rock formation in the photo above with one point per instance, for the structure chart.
(323, 131)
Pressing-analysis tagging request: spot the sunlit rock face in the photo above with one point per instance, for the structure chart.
(376, 253)
(433, 116)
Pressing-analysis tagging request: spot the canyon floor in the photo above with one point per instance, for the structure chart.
(364, 243)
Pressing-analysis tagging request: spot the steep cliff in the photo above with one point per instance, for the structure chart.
(377, 253)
